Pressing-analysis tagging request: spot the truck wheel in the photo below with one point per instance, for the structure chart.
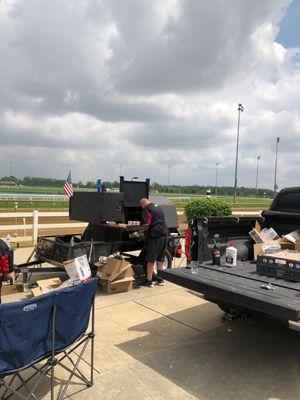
(168, 260)
(228, 309)
(224, 307)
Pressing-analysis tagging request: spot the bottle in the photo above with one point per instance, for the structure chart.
(72, 241)
(8, 240)
(231, 255)
(216, 255)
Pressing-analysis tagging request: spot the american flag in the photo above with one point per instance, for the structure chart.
(68, 187)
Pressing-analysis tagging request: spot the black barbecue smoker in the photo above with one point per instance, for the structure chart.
(109, 214)
(114, 225)
(97, 208)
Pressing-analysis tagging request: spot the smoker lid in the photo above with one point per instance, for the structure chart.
(171, 216)
(134, 191)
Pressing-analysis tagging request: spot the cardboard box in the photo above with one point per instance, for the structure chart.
(113, 268)
(264, 236)
(287, 256)
(124, 273)
(46, 286)
(49, 282)
(257, 250)
(269, 234)
(78, 269)
(257, 236)
(293, 236)
(116, 276)
(117, 286)
(257, 247)
(12, 289)
(284, 244)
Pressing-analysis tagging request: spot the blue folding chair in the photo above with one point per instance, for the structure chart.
(43, 333)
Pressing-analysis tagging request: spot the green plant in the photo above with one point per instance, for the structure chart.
(207, 208)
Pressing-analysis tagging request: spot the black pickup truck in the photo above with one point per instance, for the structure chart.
(241, 289)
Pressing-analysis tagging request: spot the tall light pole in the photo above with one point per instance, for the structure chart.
(256, 184)
(169, 175)
(216, 188)
(275, 177)
(240, 109)
(11, 164)
(68, 165)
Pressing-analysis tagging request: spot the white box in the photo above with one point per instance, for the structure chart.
(78, 269)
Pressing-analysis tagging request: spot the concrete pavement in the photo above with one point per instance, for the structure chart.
(168, 343)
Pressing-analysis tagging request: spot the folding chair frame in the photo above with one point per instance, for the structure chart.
(48, 368)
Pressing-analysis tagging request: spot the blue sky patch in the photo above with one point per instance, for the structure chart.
(289, 33)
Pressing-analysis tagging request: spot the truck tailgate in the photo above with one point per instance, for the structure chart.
(240, 286)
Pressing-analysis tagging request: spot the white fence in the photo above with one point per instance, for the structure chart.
(35, 225)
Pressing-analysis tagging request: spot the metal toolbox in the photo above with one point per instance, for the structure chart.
(280, 268)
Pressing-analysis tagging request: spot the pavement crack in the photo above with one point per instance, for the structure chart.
(169, 317)
(128, 301)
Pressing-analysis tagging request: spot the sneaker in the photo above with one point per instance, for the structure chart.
(147, 283)
(160, 282)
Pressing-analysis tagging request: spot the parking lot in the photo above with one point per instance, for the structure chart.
(167, 342)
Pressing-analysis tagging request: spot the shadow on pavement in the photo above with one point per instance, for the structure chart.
(259, 359)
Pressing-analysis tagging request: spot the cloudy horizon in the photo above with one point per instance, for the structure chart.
(133, 87)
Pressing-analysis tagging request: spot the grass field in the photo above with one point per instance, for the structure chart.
(65, 204)
(241, 203)
(33, 190)
(179, 200)
(33, 204)
(38, 190)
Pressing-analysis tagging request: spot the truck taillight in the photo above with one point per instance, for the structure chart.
(188, 242)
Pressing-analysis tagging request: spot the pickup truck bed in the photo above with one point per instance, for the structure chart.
(240, 286)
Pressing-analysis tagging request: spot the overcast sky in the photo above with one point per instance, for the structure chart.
(137, 85)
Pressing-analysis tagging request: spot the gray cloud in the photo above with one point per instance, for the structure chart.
(144, 85)
(179, 134)
(206, 45)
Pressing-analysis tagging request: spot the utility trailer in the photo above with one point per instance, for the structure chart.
(241, 289)
(108, 231)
